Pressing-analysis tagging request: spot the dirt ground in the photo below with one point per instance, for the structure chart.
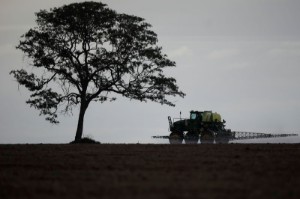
(150, 171)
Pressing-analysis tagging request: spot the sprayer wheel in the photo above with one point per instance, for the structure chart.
(176, 138)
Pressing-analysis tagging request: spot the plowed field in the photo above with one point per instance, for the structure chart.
(150, 171)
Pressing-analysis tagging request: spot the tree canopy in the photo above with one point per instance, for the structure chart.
(85, 52)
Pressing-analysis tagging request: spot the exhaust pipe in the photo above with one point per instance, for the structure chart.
(170, 122)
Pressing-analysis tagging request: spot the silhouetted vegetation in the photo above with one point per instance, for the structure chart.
(84, 52)
(85, 140)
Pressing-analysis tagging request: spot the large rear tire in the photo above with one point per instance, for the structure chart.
(223, 137)
(191, 138)
(207, 137)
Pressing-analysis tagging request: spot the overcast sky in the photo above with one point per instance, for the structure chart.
(236, 57)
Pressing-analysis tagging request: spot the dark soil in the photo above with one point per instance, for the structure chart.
(150, 171)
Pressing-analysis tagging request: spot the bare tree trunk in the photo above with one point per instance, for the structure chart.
(79, 130)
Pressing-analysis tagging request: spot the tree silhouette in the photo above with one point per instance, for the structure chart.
(84, 52)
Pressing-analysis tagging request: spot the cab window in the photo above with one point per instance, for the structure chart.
(193, 116)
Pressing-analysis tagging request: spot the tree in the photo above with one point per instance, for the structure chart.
(85, 52)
